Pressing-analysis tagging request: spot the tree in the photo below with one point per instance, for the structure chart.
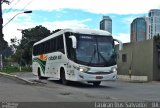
(5, 45)
(39, 32)
(29, 37)
(15, 42)
(55, 31)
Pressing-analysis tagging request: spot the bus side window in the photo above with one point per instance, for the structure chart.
(60, 44)
(47, 45)
(70, 50)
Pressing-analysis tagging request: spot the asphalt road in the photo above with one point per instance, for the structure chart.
(53, 91)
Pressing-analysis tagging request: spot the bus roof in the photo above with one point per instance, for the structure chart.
(88, 31)
(75, 30)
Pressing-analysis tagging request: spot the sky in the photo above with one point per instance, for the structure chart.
(59, 14)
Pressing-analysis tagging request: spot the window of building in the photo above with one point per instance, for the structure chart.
(124, 58)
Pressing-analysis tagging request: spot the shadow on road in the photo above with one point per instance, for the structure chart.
(81, 84)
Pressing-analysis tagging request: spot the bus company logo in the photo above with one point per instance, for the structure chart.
(55, 57)
(43, 57)
(41, 60)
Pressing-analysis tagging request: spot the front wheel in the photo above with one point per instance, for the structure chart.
(63, 77)
(97, 83)
(40, 77)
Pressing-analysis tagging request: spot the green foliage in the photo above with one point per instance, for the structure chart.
(26, 69)
(37, 33)
(23, 53)
(8, 59)
(15, 42)
(3, 44)
(29, 37)
(12, 69)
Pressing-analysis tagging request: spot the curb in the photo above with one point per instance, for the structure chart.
(15, 77)
(133, 78)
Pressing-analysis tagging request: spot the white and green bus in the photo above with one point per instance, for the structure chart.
(76, 55)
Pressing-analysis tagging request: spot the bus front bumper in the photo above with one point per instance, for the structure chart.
(82, 76)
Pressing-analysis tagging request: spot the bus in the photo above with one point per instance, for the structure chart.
(84, 55)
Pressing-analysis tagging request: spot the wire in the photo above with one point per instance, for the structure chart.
(27, 5)
(11, 1)
(6, 1)
(17, 3)
(11, 7)
(2, 1)
(11, 20)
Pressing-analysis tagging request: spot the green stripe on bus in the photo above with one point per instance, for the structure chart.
(41, 63)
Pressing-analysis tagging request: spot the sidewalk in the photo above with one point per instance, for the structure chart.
(15, 77)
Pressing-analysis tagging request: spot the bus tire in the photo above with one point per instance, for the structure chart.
(96, 83)
(63, 77)
(39, 75)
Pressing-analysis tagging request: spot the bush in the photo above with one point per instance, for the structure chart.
(26, 69)
(12, 69)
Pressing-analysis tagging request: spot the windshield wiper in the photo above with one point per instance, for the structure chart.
(94, 52)
(106, 62)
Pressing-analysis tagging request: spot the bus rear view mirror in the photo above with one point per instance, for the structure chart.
(120, 44)
(74, 41)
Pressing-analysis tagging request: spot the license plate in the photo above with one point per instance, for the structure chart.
(99, 77)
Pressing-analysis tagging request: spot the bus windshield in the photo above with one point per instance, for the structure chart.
(95, 50)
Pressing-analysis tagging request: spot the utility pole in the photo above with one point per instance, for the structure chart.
(1, 29)
(1, 32)
(1, 35)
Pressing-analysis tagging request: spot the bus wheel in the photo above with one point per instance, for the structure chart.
(39, 75)
(97, 83)
(63, 77)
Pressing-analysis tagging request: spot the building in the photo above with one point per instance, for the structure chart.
(140, 29)
(154, 26)
(140, 61)
(106, 24)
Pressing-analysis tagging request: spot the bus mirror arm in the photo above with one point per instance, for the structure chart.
(120, 44)
(74, 41)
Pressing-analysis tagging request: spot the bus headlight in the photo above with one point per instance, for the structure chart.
(114, 69)
(83, 69)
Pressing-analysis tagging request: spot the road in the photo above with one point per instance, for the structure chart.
(53, 91)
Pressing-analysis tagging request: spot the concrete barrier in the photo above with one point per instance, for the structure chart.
(133, 78)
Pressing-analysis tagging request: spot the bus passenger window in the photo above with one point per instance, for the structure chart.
(70, 50)
(60, 44)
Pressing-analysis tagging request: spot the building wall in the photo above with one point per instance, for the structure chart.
(139, 57)
(156, 61)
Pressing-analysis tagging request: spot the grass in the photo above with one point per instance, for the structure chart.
(13, 69)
